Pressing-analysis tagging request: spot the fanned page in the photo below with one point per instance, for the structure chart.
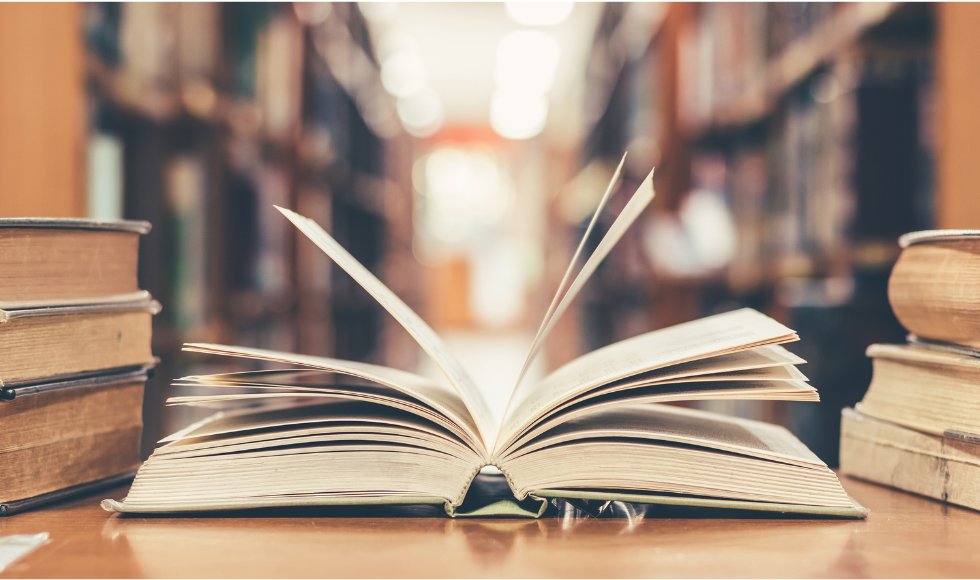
(438, 397)
(634, 208)
(640, 200)
(423, 334)
(685, 426)
(715, 335)
(550, 314)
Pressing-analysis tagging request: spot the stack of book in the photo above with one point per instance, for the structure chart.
(74, 356)
(918, 426)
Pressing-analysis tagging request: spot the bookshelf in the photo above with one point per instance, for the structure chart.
(760, 93)
(199, 121)
(221, 111)
(811, 125)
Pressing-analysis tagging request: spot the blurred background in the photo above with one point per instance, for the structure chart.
(458, 151)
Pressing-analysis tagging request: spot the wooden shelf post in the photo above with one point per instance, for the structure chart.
(42, 106)
(958, 191)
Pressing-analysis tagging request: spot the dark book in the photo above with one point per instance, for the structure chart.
(62, 438)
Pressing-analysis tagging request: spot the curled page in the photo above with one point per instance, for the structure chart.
(725, 333)
(434, 395)
(568, 274)
(423, 334)
(641, 198)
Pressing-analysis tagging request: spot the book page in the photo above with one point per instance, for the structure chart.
(758, 390)
(549, 315)
(689, 426)
(757, 364)
(265, 387)
(757, 359)
(423, 334)
(437, 396)
(273, 424)
(719, 334)
(634, 207)
(783, 373)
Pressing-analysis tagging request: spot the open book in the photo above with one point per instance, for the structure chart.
(355, 433)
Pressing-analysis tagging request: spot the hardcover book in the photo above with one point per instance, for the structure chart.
(944, 467)
(46, 343)
(924, 388)
(63, 261)
(933, 286)
(64, 437)
(334, 432)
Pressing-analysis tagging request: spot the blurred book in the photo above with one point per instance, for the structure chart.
(932, 287)
(924, 389)
(918, 426)
(186, 181)
(946, 468)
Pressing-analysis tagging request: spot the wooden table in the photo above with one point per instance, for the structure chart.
(904, 536)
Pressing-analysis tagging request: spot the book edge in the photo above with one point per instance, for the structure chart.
(12, 390)
(926, 236)
(502, 507)
(10, 508)
(16, 305)
(135, 226)
(140, 301)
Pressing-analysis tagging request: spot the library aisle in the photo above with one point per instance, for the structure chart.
(458, 151)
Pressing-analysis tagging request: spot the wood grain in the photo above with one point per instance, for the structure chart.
(905, 536)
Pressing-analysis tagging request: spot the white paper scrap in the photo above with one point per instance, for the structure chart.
(14, 547)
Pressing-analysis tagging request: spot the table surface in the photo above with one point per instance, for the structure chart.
(905, 536)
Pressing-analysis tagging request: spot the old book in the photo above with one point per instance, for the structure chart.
(40, 344)
(341, 432)
(68, 434)
(927, 389)
(946, 468)
(47, 262)
(934, 287)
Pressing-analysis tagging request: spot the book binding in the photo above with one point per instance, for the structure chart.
(10, 508)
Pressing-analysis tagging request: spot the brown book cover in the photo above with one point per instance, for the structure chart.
(67, 261)
(66, 437)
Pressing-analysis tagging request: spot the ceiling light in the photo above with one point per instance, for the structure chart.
(518, 115)
(526, 61)
(378, 12)
(403, 74)
(394, 41)
(539, 13)
(421, 113)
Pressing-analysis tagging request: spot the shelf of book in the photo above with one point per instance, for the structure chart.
(806, 130)
(220, 112)
(781, 72)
